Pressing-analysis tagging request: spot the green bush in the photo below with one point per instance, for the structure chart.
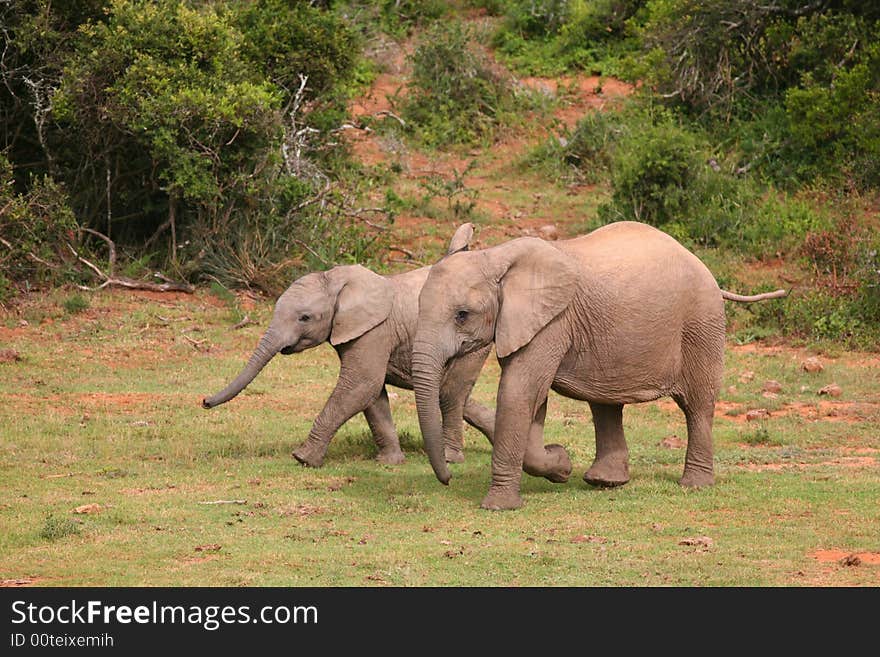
(453, 96)
(75, 304)
(552, 37)
(35, 231)
(170, 126)
(779, 223)
(399, 17)
(55, 528)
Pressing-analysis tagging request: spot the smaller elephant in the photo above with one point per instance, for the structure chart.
(370, 321)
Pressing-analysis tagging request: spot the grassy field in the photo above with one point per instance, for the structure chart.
(111, 473)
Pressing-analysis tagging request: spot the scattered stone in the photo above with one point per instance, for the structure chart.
(832, 390)
(757, 414)
(746, 376)
(672, 442)
(210, 547)
(87, 508)
(812, 365)
(772, 386)
(588, 539)
(731, 390)
(9, 356)
(704, 542)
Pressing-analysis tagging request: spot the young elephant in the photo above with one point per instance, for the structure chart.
(370, 321)
(620, 316)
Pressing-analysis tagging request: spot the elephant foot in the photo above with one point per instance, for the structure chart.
(391, 456)
(693, 478)
(609, 471)
(454, 455)
(561, 468)
(553, 464)
(501, 499)
(309, 456)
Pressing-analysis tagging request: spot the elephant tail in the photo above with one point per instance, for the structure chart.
(730, 296)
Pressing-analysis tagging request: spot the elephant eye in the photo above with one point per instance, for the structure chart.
(461, 316)
(304, 318)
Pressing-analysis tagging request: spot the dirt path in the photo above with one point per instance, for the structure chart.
(508, 201)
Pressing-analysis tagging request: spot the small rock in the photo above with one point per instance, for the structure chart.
(851, 560)
(9, 356)
(769, 395)
(757, 414)
(87, 508)
(812, 365)
(698, 541)
(672, 442)
(746, 376)
(210, 547)
(581, 538)
(832, 390)
(731, 390)
(23, 323)
(548, 232)
(772, 386)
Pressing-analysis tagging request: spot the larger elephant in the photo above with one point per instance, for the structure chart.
(370, 321)
(622, 315)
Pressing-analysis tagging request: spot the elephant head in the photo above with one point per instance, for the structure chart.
(338, 305)
(507, 293)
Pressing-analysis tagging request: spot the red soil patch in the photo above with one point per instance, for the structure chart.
(129, 403)
(829, 556)
(854, 462)
(192, 561)
(21, 581)
(824, 411)
(580, 94)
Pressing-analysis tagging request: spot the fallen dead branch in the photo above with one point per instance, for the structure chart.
(167, 285)
(244, 322)
(195, 343)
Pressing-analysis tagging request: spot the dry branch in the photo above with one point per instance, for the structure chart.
(109, 279)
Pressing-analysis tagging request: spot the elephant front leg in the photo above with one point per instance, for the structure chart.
(611, 465)
(350, 397)
(519, 401)
(551, 462)
(378, 416)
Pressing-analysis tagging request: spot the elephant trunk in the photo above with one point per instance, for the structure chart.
(427, 369)
(265, 350)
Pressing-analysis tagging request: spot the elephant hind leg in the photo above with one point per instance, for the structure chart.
(379, 418)
(611, 465)
(703, 357)
(699, 469)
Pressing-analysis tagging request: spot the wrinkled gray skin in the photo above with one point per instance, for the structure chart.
(622, 315)
(370, 321)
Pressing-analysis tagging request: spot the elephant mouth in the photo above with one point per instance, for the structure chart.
(289, 349)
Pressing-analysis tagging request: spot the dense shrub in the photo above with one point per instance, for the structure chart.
(171, 124)
(35, 230)
(666, 175)
(549, 37)
(454, 97)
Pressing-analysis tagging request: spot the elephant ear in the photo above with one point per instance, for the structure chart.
(363, 301)
(461, 240)
(539, 284)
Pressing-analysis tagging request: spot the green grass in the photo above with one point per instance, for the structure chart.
(103, 408)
